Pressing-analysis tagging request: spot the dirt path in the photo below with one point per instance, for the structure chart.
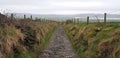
(59, 47)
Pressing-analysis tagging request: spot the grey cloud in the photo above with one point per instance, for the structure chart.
(49, 6)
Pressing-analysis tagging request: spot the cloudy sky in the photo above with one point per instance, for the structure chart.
(60, 6)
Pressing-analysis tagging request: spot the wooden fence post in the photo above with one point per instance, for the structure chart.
(31, 17)
(24, 16)
(0, 19)
(87, 20)
(12, 16)
(105, 18)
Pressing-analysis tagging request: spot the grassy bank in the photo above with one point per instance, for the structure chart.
(40, 48)
(95, 40)
(21, 38)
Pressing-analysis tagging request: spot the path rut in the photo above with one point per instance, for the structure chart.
(59, 46)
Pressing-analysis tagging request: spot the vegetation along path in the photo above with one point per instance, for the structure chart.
(59, 46)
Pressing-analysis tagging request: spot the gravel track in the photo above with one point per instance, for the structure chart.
(59, 46)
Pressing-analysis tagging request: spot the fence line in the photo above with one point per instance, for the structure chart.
(31, 18)
(87, 19)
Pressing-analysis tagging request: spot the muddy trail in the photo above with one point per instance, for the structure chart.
(59, 46)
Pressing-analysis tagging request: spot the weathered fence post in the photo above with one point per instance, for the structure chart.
(24, 16)
(105, 18)
(31, 17)
(12, 17)
(0, 16)
(87, 20)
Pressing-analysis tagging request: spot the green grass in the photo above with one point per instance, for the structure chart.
(29, 54)
(87, 46)
(46, 39)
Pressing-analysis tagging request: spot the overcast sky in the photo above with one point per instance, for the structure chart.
(60, 6)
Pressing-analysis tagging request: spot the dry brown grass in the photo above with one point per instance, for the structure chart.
(10, 37)
(108, 47)
(18, 36)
